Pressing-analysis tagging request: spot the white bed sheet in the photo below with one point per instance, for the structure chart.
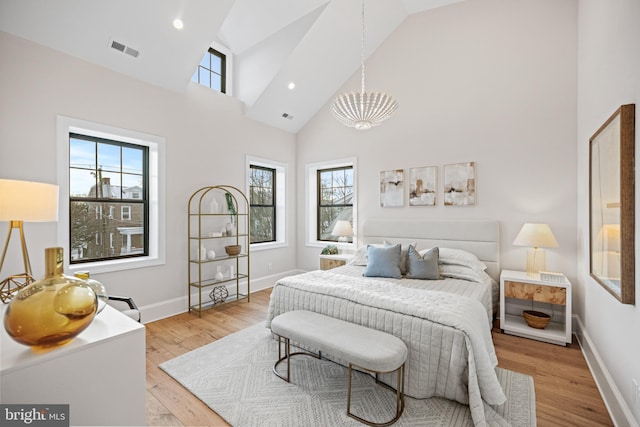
(487, 292)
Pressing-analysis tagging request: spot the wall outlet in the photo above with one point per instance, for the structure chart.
(636, 391)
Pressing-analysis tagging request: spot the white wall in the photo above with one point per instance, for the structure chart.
(608, 76)
(207, 138)
(489, 81)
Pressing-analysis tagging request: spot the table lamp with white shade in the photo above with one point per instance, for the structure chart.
(536, 237)
(343, 230)
(24, 201)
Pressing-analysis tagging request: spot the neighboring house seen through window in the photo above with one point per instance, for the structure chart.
(105, 177)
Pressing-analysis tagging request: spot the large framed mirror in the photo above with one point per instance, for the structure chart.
(612, 206)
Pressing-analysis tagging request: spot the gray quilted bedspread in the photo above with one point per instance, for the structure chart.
(451, 353)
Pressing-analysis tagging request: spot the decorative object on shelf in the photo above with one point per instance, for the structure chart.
(229, 229)
(232, 208)
(343, 230)
(219, 294)
(233, 250)
(536, 319)
(363, 110)
(219, 275)
(52, 311)
(214, 207)
(612, 205)
(24, 201)
(330, 250)
(231, 272)
(99, 289)
(460, 184)
(211, 254)
(536, 237)
(203, 253)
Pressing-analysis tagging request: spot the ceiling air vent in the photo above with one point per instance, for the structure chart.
(124, 49)
(117, 46)
(287, 116)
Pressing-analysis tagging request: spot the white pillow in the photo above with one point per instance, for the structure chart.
(462, 272)
(460, 257)
(360, 257)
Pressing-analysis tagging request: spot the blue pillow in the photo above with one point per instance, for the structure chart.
(423, 267)
(383, 262)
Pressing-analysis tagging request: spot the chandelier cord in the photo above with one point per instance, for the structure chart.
(362, 52)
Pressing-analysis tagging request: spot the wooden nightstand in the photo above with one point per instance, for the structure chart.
(520, 291)
(327, 262)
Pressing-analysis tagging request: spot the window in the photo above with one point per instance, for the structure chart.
(102, 174)
(125, 213)
(98, 178)
(212, 71)
(335, 200)
(266, 190)
(331, 197)
(262, 198)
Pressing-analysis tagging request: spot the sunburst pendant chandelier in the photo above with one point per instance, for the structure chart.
(363, 110)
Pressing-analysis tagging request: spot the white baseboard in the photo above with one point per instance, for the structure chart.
(157, 311)
(618, 409)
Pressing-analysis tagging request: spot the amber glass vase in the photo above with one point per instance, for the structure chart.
(50, 312)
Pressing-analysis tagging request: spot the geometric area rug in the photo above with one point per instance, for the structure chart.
(233, 376)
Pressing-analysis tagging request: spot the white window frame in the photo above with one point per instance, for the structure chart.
(157, 173)
(126, 209)
(311, 204)
(281, 200)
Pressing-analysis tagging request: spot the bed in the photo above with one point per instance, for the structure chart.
(446, 323)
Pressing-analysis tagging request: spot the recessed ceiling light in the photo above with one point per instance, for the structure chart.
(291, 85)
(178, 24)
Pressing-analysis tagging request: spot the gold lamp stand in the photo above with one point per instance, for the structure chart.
(14, 283)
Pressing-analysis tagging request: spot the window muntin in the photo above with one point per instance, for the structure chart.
(102, 174)
(334, 200)
(262, 199)
(211, 71)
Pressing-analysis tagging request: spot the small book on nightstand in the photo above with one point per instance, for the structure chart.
(549, 276)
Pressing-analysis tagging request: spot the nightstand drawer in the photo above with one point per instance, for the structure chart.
(328, 264)
(540, 293)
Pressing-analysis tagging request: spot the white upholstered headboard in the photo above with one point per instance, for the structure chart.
(480, 237)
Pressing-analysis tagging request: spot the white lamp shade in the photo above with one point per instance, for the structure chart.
(342, 228)
(28, 201)
(536, 236)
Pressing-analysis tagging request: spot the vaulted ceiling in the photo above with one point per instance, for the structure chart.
(314, 43)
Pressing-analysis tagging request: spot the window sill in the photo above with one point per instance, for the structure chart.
(115, 265)
(256, 247)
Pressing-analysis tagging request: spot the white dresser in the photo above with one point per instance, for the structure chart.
(100, 374)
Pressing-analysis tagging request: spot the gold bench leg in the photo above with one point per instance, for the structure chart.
(399, 397)
(287, 357)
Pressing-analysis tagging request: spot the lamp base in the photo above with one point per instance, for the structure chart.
(535, 261)
(12, 284)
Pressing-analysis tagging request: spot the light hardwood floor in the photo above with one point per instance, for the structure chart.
(566, 394)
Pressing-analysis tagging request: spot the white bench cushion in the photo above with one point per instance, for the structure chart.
(367, 348)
